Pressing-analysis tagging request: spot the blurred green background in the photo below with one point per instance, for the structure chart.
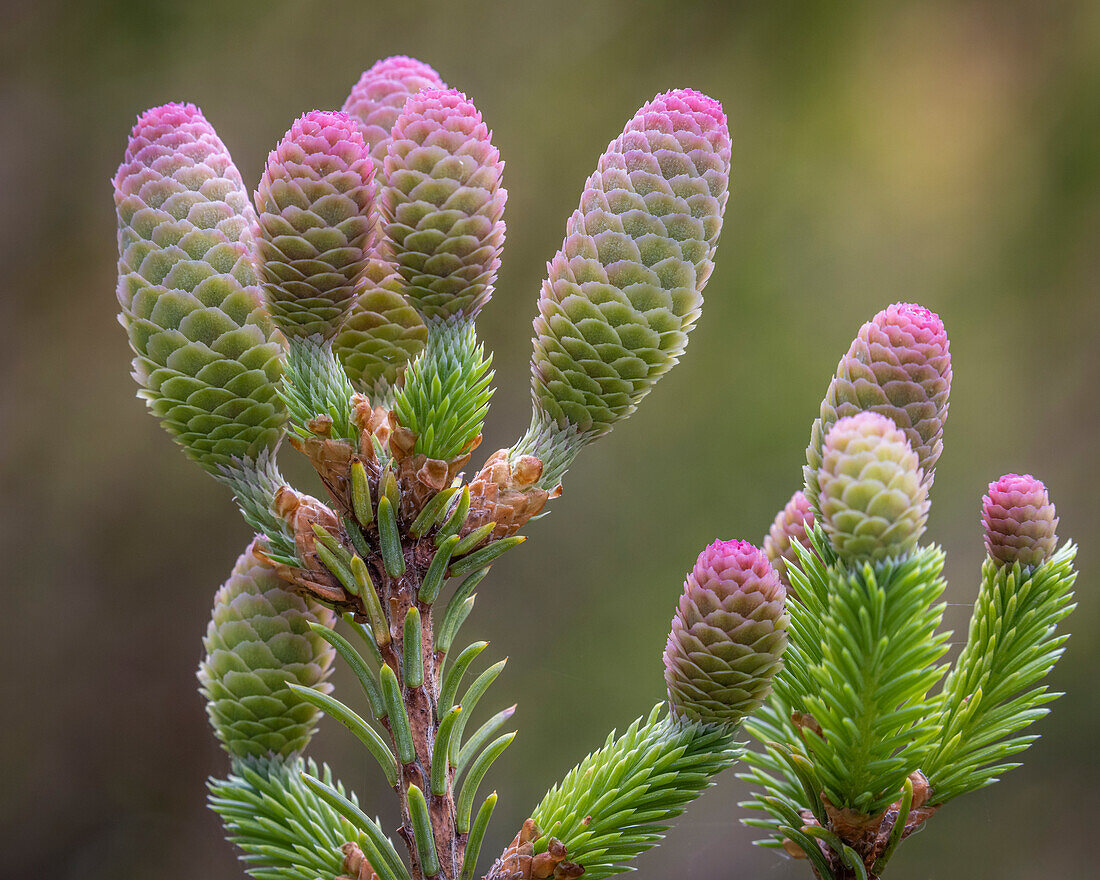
(944, 152)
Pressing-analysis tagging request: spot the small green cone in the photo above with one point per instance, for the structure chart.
(259, 639)
(873, 496)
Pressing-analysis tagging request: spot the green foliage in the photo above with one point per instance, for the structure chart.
(285, 831)
(447, 389)
(866, 678)
(862, 659)
(254, 484)
(990, 694)
(314, 384)
(618, 801)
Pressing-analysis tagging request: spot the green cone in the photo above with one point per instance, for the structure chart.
(206, 353)
(873, 496)
(257, 640)
(625, 289)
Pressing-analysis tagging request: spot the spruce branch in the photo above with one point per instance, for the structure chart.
(992, 693)
(284, 830)
(618, 802)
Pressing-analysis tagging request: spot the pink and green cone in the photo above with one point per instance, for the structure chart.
(1019, 521)
(873, 497)
(443, 204)
(625, 290)
(728, 635)
(383, 332)
(315, 203)
(205, 350)
(899, 365)
(791, 526)
(259, 639)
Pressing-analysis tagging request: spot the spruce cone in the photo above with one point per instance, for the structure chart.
(383, 331)
(1019, 521)
(791, 526)
(727, 637)
(315, 203)
(443, 204)
(873, 498)
(899, 365)
(625, 289)
(206, 356)
(258, 639)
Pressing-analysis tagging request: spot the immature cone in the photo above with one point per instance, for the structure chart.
(1019, 521)
(383, 331)
(727, 637)
(258, 640)
(625, 289)
(791, 526)
(898, 365)
(315, 203)
(873, 497)
(206, 356)
(443, 204)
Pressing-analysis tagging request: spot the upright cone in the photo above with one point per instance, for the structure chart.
(383, 332)
(443, 204)
(626, 287)
(899, 365)
(791, 526)
(315, 203)
(727, 637)
(258, 640)
(873, 497)
(1019, 522)
(205, 351)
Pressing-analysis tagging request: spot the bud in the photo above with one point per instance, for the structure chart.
(727, 636)
(791, 526)
(443, 204)
(625, 289)
(206, 356)
(1019, 521)
(899, 365)
(315, 202)
(873, 499)
(259, 639)
(383, 332)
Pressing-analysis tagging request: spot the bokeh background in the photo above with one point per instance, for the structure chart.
(944, 152)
